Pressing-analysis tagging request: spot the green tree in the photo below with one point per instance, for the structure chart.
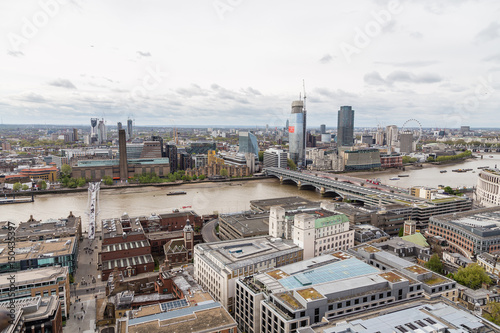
(261, 156)
(16, 187)
(291, 164)
(401, 232)
(25, 187)
(472, 276)
(107, 180)
(42, 185)
(223, 172)
(201, 177)
(435, 264)
(66, 170)
(80, 182)
(493, 312)
(449, 190)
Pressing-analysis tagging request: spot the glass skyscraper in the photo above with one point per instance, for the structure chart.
(296, 132)
(345, 126)
(248, 143)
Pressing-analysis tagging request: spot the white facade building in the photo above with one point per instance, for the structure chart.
(488, 188)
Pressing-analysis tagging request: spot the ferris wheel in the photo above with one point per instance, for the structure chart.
(417, 134)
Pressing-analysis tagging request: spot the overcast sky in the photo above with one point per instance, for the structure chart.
(242, 62)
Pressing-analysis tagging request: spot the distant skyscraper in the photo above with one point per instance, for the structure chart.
(93, 126)
(345, 126)
(287, 125)
(296, 132)
(102, 134)
(122, 144)
(248, 143)
(391, 132)
(129, 128)
(406, 142)
(119, 125)
(322, 129)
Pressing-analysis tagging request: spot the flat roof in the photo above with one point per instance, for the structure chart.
(40, 249)
(344, 269)
(238, 253)
(247, 222)
(125, 262)
(424, 317)
(289, 203)
(35, 275)
(208, 314)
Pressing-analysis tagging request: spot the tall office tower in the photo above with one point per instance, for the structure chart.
(391, 135)
(248, 143)
(75, 134)
(322, 129)
(129, 128)
(171, 152)
(406, 142)
(345, 126)
(122, 146)
(93, 126)
(379, 136)
(102, 135)
(287, 125)
(119, 125)
(296, 133)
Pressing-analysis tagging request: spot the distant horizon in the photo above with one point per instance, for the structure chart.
(260, 127)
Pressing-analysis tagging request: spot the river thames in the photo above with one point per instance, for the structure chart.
(224, 197)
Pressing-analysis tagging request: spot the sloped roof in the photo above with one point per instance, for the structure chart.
(416, 238)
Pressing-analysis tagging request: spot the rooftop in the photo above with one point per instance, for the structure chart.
(417, 316)
(42, 249)
(288, 203)
(35, 275)
(234, 254)
(248, 223)
(205, 315)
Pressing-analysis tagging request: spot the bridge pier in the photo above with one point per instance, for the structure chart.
(281, 180)
(322, 191)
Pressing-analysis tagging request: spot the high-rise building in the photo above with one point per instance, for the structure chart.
(391, 135)
(248, 143)
(75, 134)
(296, 133)
(122, 142)
(345, 126)
(322, 128)
(275, 158)
(160, 140)
(119, 125)
(102, 134)
(129, 128)
(406, 142)
(171, 151)
(93, 126)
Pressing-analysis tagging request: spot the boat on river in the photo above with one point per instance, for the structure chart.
(394, 178)
(176, 193)
(443, 171)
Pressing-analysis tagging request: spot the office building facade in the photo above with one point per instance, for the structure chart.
(345, 126)
(275, 158)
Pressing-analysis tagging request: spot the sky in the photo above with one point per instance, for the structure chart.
(242, 62)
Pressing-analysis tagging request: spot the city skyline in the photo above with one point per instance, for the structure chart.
(241, 63)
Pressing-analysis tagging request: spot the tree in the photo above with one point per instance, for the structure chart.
(66, 170)
(25, 187)
(201, 177)
(449, 190)
(435, 264)
(261, 156)
(16, 187)
(42, 185)
(223, 172)
(401, 232)
(472, 276)
(493, 314)
(80, 182)
(291, 164)
(107, 180)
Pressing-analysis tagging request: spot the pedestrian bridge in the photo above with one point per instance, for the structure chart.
(369, 196)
